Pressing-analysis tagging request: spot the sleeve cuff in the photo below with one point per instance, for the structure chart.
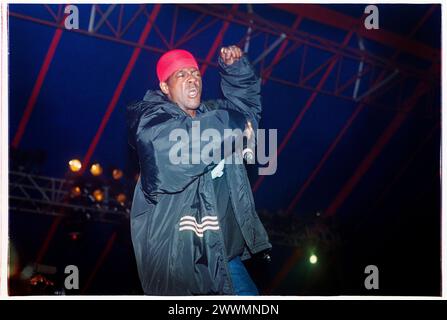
(242, 66)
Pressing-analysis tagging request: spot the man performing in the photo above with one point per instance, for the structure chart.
(193, 224)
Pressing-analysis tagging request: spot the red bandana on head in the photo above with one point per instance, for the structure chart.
(172, 61)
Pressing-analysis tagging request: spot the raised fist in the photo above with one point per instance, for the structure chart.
(230, 54)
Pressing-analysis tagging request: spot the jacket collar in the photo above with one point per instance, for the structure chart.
(156, 97)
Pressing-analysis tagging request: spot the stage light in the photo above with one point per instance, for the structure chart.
(96, 169)
(75, 165)
(40, 280)
(75, 192)
(117, 174)
(121, 198)
(98, 195)
(74, 236)
(313, 259)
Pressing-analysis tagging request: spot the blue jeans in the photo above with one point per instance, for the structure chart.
(242, 282)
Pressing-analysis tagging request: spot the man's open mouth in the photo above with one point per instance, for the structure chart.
(193, 92)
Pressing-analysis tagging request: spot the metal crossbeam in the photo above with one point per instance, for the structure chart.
(104, 17)
(307, 106)
(296, 35)
(380, 78)
(341, 21)
(46, 195)
(300, 48)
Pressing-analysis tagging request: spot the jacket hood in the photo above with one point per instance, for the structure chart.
(153, 103)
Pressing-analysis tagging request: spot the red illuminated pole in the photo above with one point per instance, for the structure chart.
(161, 51)
(100, 262)
(188, 32)
(376, 150)
(260, 25)
(120, 87)
(347, 125)
(51, 12)
(120, 19)
(46, 243)
(150, 22)
(216, 42)
(269, 69)
(312, 40)
(112, 104)
(290, 262)
(327, 154)
(306, 107)
(174, 27)
(158, 32)
(344, 86)
(27, 114)
(288, 266)
(280, 52)
(37, 86)
(131, 21)
(342, 21)
(316, 71)
(282, 274)
(104, 16)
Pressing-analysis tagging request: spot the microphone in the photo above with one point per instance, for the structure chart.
(249, 151)
(248, 155)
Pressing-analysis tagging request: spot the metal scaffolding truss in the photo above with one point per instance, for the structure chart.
(50, 196)
(281, 41)
(301, 236)
(35, 194)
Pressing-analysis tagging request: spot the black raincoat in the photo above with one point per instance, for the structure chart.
(176, 229)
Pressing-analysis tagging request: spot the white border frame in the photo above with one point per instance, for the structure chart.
(4, 145)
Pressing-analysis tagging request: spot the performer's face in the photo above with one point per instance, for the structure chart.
(184, 87)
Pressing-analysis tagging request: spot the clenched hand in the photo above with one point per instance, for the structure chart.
(230, 54)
